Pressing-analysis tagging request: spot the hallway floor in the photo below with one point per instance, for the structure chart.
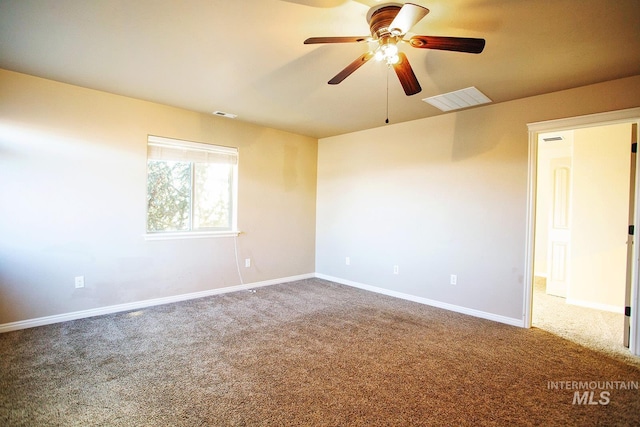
(596, 329)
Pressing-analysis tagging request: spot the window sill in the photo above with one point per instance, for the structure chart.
(190, 235)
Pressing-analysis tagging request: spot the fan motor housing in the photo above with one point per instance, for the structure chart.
(380, 17)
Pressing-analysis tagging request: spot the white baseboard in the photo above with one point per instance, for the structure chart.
(596, 305)
(48, 320)
(451, 307)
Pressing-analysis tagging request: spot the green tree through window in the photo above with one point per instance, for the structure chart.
(190, 186)
(168, 195)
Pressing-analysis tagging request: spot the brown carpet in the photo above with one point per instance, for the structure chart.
(305, 353)
(596, 329)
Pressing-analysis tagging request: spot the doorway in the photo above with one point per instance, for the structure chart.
(566, 246)
(580, 259)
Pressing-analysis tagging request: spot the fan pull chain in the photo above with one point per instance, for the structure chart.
(387, 120)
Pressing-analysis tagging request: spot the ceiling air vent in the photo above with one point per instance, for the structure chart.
(227, 115)
(553, 138)
(463, 98)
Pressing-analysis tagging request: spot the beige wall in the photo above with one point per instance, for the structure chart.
(438, 196)
(599, 219)
(443, 195)
(73, 190)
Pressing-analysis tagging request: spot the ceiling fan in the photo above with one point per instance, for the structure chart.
(389, 23)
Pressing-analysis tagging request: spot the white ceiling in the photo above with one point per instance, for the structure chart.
(247, 57)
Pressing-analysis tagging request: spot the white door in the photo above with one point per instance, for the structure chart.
(559, 230)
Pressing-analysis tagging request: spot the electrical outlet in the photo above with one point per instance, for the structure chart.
(247, 262)
(347, 261)
(396, 269)
(454, 279)
(79, 282)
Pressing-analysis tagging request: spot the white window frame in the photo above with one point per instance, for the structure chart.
(200, 149)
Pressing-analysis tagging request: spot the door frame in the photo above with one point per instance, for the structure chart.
(631, 115)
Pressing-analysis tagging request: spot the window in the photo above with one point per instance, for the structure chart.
(191, 187)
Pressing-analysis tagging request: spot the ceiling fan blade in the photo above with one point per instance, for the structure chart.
(458, 44)
(348, 39)
(351, 68)
(406, 18)
(406, 75)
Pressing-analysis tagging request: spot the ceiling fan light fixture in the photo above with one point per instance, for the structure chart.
(387, 51)
(389, 23)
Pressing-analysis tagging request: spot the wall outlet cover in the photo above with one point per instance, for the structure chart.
(79, 282)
